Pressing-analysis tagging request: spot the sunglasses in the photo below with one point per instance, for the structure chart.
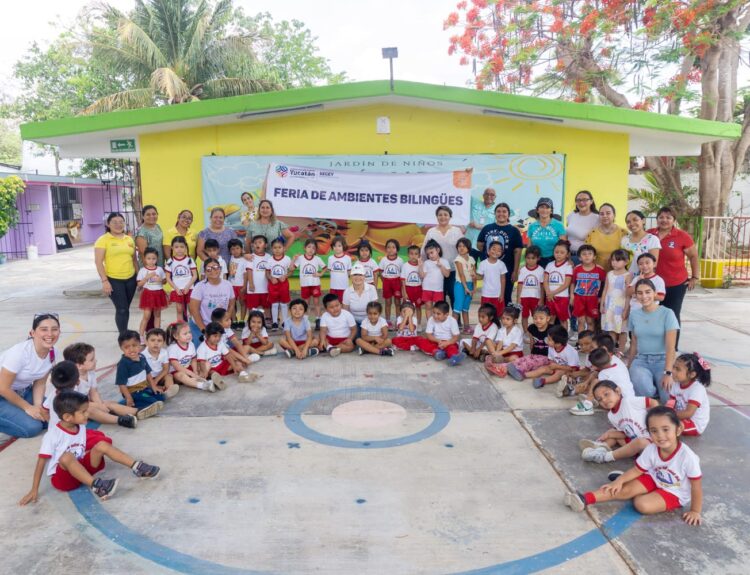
(46, 314)
(212, 268)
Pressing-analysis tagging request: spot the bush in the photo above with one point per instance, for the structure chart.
(10, 187)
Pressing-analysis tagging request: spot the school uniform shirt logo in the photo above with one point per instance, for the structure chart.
(278, 270)
(338, 266)
(628, 430)
(262, 266)
(531, 281)
(78, 450)
(391, 270)
(667, 478)
(670, 244)
(309, 270)
(556, 278)
(412, 278)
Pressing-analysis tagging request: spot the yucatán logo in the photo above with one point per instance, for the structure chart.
(282, 171)
(301, 173)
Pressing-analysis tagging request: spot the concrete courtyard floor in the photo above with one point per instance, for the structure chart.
(368, 465)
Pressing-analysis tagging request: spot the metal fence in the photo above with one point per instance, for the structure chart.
(726, 249)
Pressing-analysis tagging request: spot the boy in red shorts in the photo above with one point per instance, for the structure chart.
(337, 327)
(74, 454)
(278, 282)
(256, 286)
(588, 281)
(411, 281)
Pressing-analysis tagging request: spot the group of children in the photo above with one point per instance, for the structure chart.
(666, 475)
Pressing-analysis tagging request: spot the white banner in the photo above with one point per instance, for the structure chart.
(380, 197)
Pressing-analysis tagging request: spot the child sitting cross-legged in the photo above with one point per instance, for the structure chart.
(563, 359)
(374, 338)
(73, 454)
(158, 359)
(584, 377)
(613, 368)
(481, 343)
(627, 415)
(407, 327)
(298, 340)
(183, 364)
(539, 356)
(133, 376)
(255, 335)
(337, 327)
(441, 335)
(666, 475)
(237, 349)
(215, 359)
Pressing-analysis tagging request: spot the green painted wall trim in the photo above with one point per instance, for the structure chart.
(320, 95)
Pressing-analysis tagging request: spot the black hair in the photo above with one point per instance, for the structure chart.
(328, 298)
(218, 314)
(614, 211)
(260, 237)
(146, 208)
(311, 242)
(206, 263)
(512, 310)
(638, 213)
(393, 241)
(586, 248)
(619, 255)
(213, 328)
(68, 401)
(646, 255)
(593, 203)
(39, 318)
(374, 305)
(541, 309)
(502, 205)
(128, 335)
(256, 313)
(587, 333)
(172, 331)
(148, 251)
(279, 240)
(180, 215)
(644, 282)
(490, 311)
(366, 245)
(111, 217)
(608, 384)
(217, 209)
(408, 304)
(235, 242)
(156, 332)
(600, 357)
(412, 248)
(563, 243)
(178, 240)
(660, 410)
(604, 340)
(667, 210)
(77, 352)
(558, 334)
(442, 306)
(495, 243)
(695, 364)
(466, 242)
(339, 240)
(298, 301)
(64, 375)
(433, 244)
(444, 209)
(534, 251)
(211, 243)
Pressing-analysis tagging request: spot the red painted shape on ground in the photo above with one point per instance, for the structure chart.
(742, 410)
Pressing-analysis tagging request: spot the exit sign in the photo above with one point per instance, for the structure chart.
(120, 146)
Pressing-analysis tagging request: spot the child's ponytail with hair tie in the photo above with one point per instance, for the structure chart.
(696, 364)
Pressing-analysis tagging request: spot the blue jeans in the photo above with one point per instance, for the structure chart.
(15, 422)
(196, 331)
(646, 373)
(142, 399)
(462, 300)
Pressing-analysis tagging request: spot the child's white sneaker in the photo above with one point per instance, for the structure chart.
(253, 357)
(218, 381)
(586, 443)
(151, 410)
(575, 501)
(173, 390)
(270, 352)
(246, 377)
(334, 352)
(584, 407)
(597, 455)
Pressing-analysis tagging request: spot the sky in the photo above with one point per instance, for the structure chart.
(350, 34)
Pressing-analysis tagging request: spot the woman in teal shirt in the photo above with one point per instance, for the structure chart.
(546, 231)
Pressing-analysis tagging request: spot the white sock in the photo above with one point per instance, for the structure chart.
(284, 312)
(275, 312)
(610, 457)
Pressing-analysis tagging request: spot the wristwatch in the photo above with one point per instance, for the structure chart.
(667, 372)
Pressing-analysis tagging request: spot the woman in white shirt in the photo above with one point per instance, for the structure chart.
(580, 222)
(23, 373)
(359, 294)
(639, 241)
(446, 236)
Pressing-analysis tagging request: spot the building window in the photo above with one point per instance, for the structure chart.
(66, 205)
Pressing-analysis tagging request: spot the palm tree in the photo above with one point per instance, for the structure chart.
(175, 51)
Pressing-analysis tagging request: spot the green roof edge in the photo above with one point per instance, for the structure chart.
(321, 94)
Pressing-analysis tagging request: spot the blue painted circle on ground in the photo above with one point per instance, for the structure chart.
(293, 419)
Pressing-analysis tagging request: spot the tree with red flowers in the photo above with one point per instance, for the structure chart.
(657, 55)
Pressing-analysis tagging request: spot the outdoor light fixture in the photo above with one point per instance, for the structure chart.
(524, 116)
(280, 111)
(390, 54)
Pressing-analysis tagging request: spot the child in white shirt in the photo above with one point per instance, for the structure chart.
(480, 344)
(407, 328)
(311, 269)
(411, 281)
(256, 286)
(337, 327)
(492, 273)
(508, 345)
(374, 338)
(563, 359)
(530, 285)
(692, 375)
(236, 276)
(390, 274)
(441, 336)
(433, 272)
(339, 264)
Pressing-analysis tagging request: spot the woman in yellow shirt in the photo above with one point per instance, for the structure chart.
(114, 255)
(181, 228)
(606, 236)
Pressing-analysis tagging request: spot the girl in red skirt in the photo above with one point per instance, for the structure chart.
(153, 298)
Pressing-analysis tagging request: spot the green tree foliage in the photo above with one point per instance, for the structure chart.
(289, 48)
(10, 144)
(10, 187)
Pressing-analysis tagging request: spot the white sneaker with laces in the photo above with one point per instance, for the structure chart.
(586, 443)
(584, 407)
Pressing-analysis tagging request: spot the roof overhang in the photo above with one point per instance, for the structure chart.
(650, 134)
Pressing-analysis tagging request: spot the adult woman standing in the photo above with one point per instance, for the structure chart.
(639, 241)
(207, 295)
(181, 228)
(267, 224)
(606, 236)
(581, 222)
(216, 230)
(359, 294)
(546, 231)
(446, 236)
(653, 329)
(250, 211)
(114, 255)
(676, 244)
(149, 235)
(23, 374)
(501, 230)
